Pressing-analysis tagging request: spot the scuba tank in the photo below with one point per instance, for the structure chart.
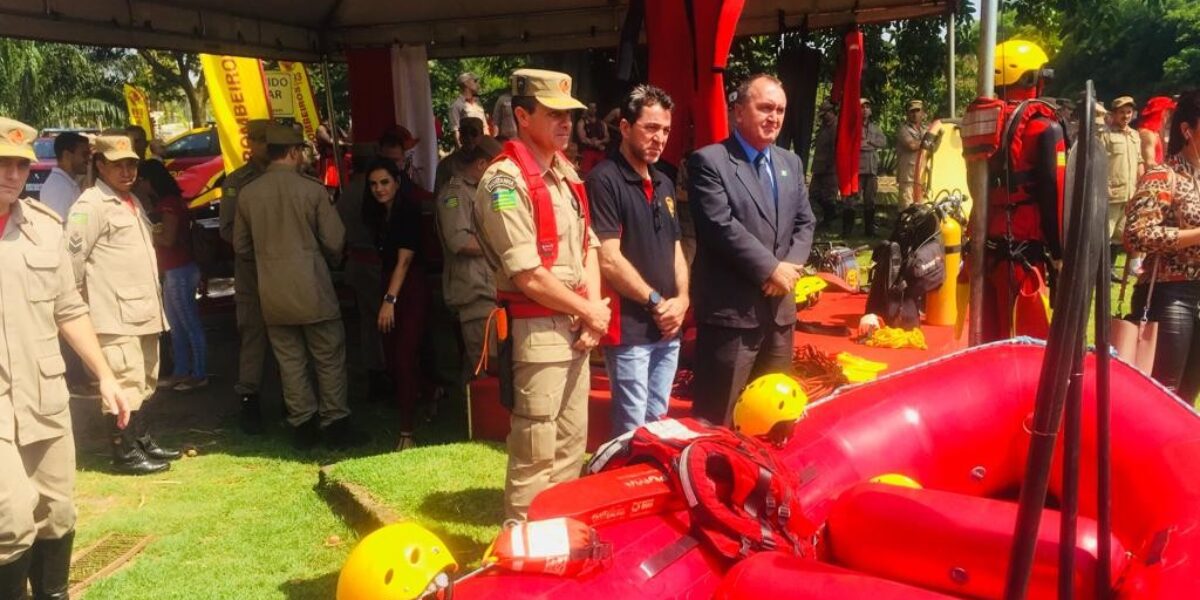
(941, 305)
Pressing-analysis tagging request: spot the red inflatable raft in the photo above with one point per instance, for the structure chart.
(959, 426)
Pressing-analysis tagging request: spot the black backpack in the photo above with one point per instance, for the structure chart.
(908, 266)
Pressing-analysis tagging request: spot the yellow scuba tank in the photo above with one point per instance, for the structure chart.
(941, 305)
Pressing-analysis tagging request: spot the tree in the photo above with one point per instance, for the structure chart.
(174, 71)
(56, 85)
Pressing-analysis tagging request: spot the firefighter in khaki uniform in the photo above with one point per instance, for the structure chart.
(116, 270)
(532, 219)
(252, 352)
(466, 279)
(38, 299)
(286, 221)
(1125, 167)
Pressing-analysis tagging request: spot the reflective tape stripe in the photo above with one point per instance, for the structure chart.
(548, 538)
(685, 479)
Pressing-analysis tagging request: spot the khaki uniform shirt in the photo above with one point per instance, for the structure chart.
(461, 109)
(234, 182)
(1124, 149)
(824, 150)
(37, 294)
(116, 267)
(504, 222)
(906, 160)
(287, 221)
(466, 280)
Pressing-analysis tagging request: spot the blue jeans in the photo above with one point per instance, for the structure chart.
(183, 315)
(641, 378)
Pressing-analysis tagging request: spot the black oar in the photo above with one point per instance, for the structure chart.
(1067, 333)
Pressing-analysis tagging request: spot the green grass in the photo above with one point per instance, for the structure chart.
(456, 490)
(237, 521)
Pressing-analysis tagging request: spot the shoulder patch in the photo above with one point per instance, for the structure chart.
(78, 218)
(451, 202)
(500, 181)
(505, 199)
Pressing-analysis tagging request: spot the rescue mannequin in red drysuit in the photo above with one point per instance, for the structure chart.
(1024, 198)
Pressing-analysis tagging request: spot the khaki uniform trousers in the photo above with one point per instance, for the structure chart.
(364, 278)
(473, 332)
(325, 343)
(548, 429)
(36, 484)
(134, 361)
(1116, 221)
(252, 351)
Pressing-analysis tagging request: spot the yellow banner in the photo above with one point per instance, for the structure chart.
(139, 110)
(304, 103)
(238, 94)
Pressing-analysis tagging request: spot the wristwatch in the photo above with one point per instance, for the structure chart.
(390, 299)
(655, 299)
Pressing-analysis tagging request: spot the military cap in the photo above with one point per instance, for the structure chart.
(465, 77)
(864, 101)
(256, 129)
(115, 147)
(16, 139)
(1123, 101)
(827, 106)
(489, 146)
(914, 105)
(550, 88)
(283, 135)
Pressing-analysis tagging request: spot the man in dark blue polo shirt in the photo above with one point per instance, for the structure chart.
(641, 261)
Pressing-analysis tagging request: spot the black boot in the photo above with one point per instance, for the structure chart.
(341, 435)
(869, 221)
(13, 577)
(307, 435)
(137, 422)
(127, 455)
(250, 418)
(847, 222)
(50, 569)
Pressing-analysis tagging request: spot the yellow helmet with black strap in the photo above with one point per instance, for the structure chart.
(1020, 63)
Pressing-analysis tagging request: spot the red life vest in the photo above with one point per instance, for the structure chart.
(561, 546)
(545, 226)
(740, 499)
(1015, 213)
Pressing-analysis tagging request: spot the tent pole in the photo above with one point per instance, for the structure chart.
(333, 126)
(953, 78)
(977, 174)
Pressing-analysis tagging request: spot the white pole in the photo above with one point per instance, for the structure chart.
(953, 78)
(977, 173)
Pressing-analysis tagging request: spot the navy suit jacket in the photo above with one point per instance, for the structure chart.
(741, 237)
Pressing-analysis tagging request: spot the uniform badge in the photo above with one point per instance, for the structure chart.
(78, 218)
(500, 181)
(670, 205)
(75, 244)
(451, 202)
(503, 200)
(783, 173)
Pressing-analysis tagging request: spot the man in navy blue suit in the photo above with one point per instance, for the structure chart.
(754, 230)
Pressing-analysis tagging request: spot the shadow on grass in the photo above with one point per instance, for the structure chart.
(319, 588)
(474, 506)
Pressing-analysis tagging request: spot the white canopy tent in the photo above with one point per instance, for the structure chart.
(307, 30)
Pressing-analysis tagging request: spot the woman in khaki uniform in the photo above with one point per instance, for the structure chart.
(112, 252)
(38, 300)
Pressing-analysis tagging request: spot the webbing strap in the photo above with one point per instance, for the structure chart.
(662, 559)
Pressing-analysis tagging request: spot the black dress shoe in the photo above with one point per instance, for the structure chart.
(50, 569)
(341, 435)
(250, 419)
(306, 435)
(137, 422)
(128, 458)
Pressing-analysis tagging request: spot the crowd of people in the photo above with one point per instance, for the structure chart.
(565, 220)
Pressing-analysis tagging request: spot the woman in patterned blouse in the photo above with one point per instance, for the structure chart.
(1163, 220)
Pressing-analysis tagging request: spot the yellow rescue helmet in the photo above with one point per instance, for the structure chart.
(402, 561)
(770, 406)
(1019, 62)
(897, 479)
